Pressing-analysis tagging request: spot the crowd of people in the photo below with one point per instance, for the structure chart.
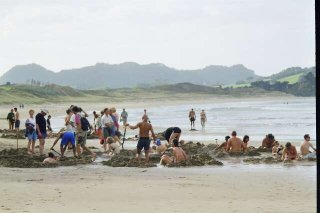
(106, 125)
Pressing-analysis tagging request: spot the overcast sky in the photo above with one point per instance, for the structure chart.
(264, 35)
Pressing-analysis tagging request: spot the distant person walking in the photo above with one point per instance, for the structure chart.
(192, 117)
(49, 123)
(10, 118)
(203, 118)
(17, 119)
(41, 128)
(124, 117)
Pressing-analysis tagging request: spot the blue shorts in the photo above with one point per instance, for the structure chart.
(143, 143)
(113, 131)
(17, 124)
(32, 136)
(68, 137)
(43, 135)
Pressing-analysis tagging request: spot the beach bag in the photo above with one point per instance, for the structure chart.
(85, 125)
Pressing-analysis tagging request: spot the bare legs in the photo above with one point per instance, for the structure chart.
(31, 143)
(41, 145)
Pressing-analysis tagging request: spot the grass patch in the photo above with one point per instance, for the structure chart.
(292, 79)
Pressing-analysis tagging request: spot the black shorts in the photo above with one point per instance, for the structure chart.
(143, 143)
(169, 131)
(192, 119)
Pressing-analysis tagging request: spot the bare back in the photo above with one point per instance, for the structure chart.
(144, 128)
(179, 154)
(304, 149)
(235, 144)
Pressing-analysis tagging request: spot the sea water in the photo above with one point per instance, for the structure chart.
(286, 120)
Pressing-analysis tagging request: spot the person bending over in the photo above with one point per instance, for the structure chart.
(66, 138)
(172, 133)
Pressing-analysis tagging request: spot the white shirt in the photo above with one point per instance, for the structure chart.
(31, 121)
(106, 119)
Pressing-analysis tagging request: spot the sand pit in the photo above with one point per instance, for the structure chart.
(21, 159)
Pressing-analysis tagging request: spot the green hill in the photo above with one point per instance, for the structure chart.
(292, 79)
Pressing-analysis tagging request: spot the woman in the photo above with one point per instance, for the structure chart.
(31, 132)
(245, 143)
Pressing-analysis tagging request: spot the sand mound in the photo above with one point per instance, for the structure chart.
(21, 159)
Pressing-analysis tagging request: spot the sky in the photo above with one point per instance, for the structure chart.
(266, 36)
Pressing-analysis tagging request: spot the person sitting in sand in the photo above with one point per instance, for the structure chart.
(305, 148)
(289, 152)
(268, 141)
(223, 146)
(66, 138)
(277, 149)
(172, 133)
(245, 141)
(51, 159)
(179, 155)
(114, 148)
(160, 148)
(234, 144)
(144, 140)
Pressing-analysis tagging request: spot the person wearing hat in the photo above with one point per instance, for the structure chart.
(41, 128)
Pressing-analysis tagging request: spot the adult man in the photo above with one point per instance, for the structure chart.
(192, 117)
(172, 133)
(81, 131)
(124, 117)
(305, 148)
(268, 141)
(66, 138)
(41, 128)
(203, 118)
(17, 119)
(179, 155)
(235, 144)
(107, 125)
(289, 152)
(144, 140)
(10, 118)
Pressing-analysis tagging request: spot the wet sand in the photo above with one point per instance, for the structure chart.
(233, 187)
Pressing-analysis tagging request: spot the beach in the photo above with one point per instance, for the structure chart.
(105, 189)
(234, 187)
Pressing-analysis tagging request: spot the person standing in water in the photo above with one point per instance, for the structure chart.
(192, 117)
(124, 117)
(203, 118)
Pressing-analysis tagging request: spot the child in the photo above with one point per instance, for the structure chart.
(51, 159)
